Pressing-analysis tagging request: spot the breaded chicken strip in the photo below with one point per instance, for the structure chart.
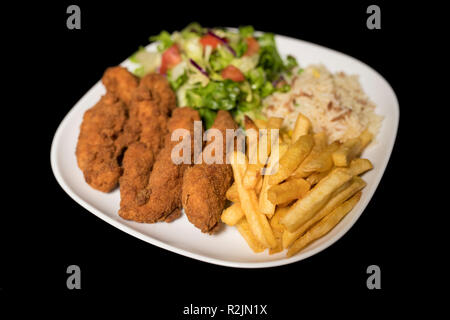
(205, 185)
(161, 197)
(97, 150)
(151, 105)
(102, 139)
(121, 82)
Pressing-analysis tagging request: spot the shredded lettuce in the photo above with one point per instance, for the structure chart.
(217, 95)
(178, 75)
(147, 61)
(270, 59)
(245, 64)
(165, 40)
(208, 92)
(246, 31)
(220, 58)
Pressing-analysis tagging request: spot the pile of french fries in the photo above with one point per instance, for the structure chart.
(309, 185)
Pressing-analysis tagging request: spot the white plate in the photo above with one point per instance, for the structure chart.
(228, 248)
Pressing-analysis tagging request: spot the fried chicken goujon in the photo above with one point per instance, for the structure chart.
(102, 140)
(205, 185)
(151, 105)
(161, 198)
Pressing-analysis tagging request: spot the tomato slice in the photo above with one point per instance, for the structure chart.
(170, 58)
(233, 73)
(252, 46)
(209, 40)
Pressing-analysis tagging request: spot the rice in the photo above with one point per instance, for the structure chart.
(334, 103)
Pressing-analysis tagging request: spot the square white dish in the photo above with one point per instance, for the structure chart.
(227, 247)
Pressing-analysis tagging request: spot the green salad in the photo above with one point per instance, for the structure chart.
(218, 69)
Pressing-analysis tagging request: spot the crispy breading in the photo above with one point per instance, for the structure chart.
(102, 139)
(205, 185)
(97, 149)
(161, 198)
(121, 82)
(150, 108)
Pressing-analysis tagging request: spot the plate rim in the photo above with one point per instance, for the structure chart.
(227, 263)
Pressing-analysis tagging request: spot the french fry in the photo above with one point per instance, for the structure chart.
(284, 137)
(315, 177)
(277, 229)
(232, 193)
(287, 191)
(262, 124)
(295, 155)
(324, 225)
(258, 222)
(259, 184)
(366, 137)
(263, 142)
(359, 166)
(274, 122)
(265, 206)
(244, 229)
(342, 194)
(254, 169)
(346, 152)
(275, 221)
(320, 144)
(305, 208)
(285, 204)
(251, 175)
(322, 162)
(301, 128)
(232, 214)
(278, 247)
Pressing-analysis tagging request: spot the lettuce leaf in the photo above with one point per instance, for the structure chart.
(165, 40)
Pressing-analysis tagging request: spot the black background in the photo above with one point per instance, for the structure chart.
(54, 232)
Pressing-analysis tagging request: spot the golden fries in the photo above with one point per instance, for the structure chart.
(359, 166)
(292, 189)
(324, 225)
(301, 128)
(277, 229)
(307, 166)
(290, 198)
(258, 186)
(366, 137)
(244, 229)
(262, 124)
(346, 152)
(265, 206)
(258, 222)
(274, 122)
(315, 177)
(342, 194)
(295, 154)
(232, 193)
(305, 208)
(321, 162)
(232, 214)
(275, 221)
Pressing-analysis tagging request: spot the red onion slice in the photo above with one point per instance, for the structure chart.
(224, 41)
(195, 64)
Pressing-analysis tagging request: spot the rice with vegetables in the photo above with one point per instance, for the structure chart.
(335, 103)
